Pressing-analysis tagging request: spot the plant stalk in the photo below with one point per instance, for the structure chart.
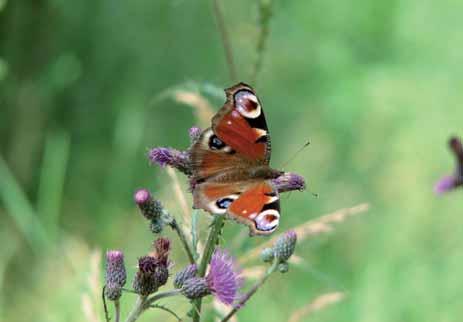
(225, 39)
(175, 226)
(137, 309)
(214, 233)
(117, 306)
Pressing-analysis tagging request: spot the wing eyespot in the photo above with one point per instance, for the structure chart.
(267, 221)
(224, 203)
(247, 104)
(215, 143)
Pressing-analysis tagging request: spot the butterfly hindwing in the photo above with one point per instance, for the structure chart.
(254, 203)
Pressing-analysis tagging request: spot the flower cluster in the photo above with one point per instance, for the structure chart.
(216, 273)
(153, 269)
(223, 280)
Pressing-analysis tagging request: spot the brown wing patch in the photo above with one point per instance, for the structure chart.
(208, 161)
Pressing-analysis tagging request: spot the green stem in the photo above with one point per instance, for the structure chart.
(105, 306)
(137, 309)
(175, 226)
(145, 302)
(214, 233)
(225, 39)
(117, 307)
(252, 291)
(162, 295)
(265, 14)
(166, 310)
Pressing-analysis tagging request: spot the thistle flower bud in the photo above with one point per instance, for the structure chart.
(162, 247)
(283, 267)
(161, 274)
(116, 275)
(147, 264)
(113, 291)
(285, 245)
(145, 284)
(150, 208)
(185, 274)
(195, 288)
(267, 255)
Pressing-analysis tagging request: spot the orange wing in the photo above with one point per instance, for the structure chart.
(241, 124)
(254, 203)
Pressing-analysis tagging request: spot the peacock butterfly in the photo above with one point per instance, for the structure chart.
(230, 164)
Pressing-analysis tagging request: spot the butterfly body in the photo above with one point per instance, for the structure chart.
(230, 161)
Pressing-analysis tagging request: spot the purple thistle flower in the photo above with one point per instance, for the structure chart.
(171, 157)
(151, 209)
(147, 264)
(289, 182)
(142, 197)
(115, 268)
(445, 184)
(223, 278)
(195, 133)
(116, 275)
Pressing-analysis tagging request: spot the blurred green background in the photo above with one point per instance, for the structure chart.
(375, 85)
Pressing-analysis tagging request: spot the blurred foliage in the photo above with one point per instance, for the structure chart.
(375, 85)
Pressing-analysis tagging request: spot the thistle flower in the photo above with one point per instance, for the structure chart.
(171, 157)
(285, 245)
(445, 184)
(147, 264)
(161, 275)
(151, 209)
(223, 278)
(195, 133)
(146, 281)
(449, 183)
(185, 274)
(145, 284)
(289, 182)
(116, 275)
(222, 281)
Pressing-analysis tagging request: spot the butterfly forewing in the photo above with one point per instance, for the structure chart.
(241, 124)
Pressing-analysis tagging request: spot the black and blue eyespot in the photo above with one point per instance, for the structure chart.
(224, 203)
(215, 143)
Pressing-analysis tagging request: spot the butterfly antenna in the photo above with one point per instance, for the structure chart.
(295, 154)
